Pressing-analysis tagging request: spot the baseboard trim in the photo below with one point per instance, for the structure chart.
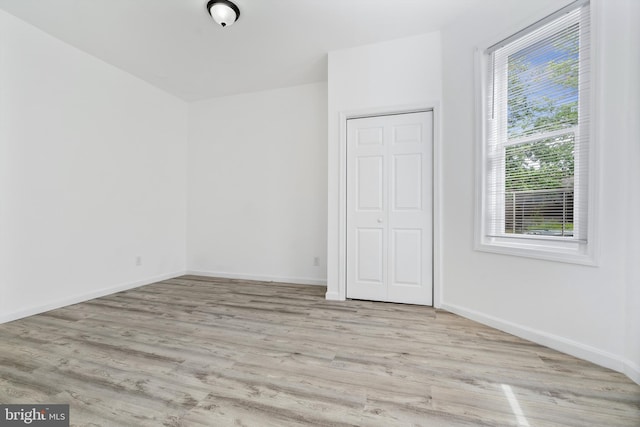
(261, 278)
(556, 342)
(632, 370)
(63, 302)
(333, 296)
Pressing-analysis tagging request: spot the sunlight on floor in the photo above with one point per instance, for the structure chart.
(515, 406)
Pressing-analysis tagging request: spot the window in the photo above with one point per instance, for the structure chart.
(534, 196)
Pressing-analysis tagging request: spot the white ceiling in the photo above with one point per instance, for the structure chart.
(176, 46)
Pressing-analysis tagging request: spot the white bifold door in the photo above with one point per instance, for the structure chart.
(389, 208)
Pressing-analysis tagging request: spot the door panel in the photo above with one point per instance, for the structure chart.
(407, 133)
(407, 182)
(389, 208)
(369, 136)
(407, 253)
(370, 256)
(369, 176)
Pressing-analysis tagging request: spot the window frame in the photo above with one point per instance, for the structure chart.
(575, 250)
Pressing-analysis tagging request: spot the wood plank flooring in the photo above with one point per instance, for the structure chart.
(197, 351)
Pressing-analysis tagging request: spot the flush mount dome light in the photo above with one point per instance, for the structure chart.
(223, 12)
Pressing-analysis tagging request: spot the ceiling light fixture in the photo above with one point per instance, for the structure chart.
(223, 12)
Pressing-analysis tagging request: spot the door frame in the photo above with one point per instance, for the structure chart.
(434, 107)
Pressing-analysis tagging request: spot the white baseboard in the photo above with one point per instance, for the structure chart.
(582, 351)
(632, 370)
(261, 278)
(333, 296)
(30, 311)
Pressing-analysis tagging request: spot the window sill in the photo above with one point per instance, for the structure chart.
(572, 252)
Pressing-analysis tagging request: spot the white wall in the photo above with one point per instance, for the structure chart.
(257, 185)
(633, 189)
(582, 310)
(383, 76)
(92, 174)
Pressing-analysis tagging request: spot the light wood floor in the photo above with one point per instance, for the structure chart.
(197, 351)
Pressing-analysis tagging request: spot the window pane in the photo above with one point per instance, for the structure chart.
(539, 187)
(542, 85)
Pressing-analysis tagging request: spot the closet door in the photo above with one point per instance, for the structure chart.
(389, 208)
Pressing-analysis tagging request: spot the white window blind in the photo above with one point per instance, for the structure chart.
(536, 153)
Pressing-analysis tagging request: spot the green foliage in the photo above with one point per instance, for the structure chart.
(557, 116)
(564, 72)
(540, 165)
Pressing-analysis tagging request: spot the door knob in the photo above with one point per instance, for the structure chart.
(379, 220)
